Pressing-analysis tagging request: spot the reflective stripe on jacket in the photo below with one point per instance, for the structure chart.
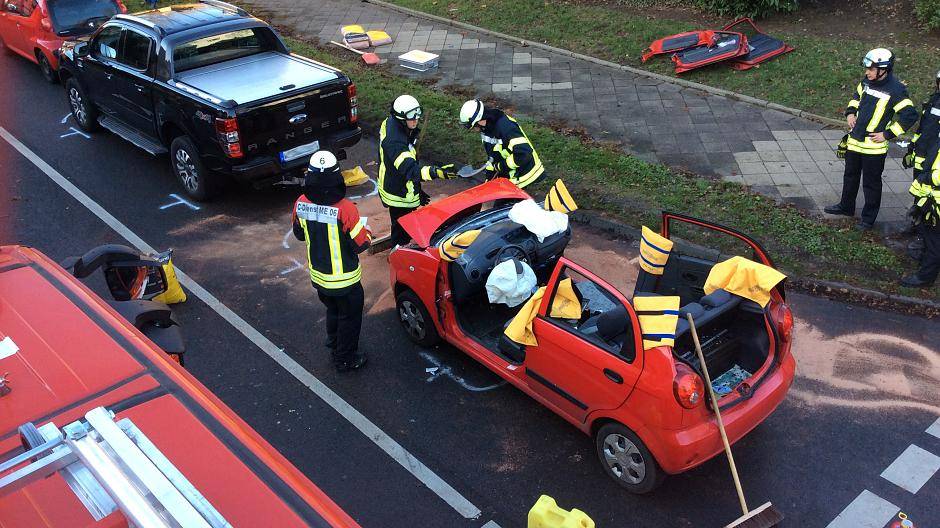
(880, 107)
(400, 173)
(928, 131)
(335, 236)
(512, 153)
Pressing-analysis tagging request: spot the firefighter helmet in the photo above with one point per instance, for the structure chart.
(323, 183)
(471, 113)
(879, 58)
(406, 108)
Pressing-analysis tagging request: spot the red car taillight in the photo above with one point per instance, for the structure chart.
(351, 94)
(687, 387)
(227, 129)
(783, 318)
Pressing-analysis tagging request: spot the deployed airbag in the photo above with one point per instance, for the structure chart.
(537, 220)
(511, 282)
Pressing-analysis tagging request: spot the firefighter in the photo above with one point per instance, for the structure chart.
(925, 139)
(879, 111)
(926, 214)
(335, 235)
(400, 172)
(509, 151)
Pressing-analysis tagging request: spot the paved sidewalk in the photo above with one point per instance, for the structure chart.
(777, 154)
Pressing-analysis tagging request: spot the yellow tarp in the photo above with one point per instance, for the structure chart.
(354, 177)
(379, 38)
(745, 278)
(659, 316)
(654, 251)
(174, 293)
(354, 28)
(565, 306)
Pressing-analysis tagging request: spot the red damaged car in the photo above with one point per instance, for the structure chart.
(645, 409)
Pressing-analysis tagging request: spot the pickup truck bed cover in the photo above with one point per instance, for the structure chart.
(256, 77)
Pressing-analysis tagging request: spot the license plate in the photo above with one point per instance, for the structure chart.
(299, 152)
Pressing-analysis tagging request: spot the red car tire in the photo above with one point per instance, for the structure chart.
(626, 459)
(46, 68)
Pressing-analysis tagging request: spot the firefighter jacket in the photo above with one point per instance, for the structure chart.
(926, 188)
(400, 173)
(879, 106)
(510, 152)
(335, 236)
(928, 132)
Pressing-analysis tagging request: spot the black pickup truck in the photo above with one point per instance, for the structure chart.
(214, 87)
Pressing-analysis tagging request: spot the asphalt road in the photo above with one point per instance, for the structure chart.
(867, 384)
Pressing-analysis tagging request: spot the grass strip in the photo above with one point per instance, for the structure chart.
(817, 77)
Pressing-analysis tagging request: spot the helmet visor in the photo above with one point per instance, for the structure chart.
(414, 113)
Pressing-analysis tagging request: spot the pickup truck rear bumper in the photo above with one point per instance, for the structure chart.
(266, 170)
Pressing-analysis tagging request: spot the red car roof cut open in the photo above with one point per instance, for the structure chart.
(422, 223)
(75, 354)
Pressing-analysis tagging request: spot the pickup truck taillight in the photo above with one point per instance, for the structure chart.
(227, 129)
(353, 103)
(783, 318)
(687, 387)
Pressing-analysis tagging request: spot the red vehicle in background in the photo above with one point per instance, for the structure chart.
(69, 360)
(644, 408)
(36, 29)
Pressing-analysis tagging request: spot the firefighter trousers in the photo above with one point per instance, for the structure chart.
(865, 169)
(930, 260)
(343, 322)
(399, 236)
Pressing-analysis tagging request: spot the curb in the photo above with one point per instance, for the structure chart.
(836, 291)
(828, 121)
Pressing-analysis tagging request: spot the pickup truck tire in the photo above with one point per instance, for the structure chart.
(415, 319)
(626, 459)
(51, 75)
(198, 182)
(83, 110)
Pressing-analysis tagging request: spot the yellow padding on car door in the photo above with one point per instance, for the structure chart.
(654, 251)
(174, 293)
(559, 199)
(565, 305)
(454, 246)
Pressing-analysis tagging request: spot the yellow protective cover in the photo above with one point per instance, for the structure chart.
(547, 514)
(559, 199)
(659, 316)
(174, 293)
(354, 177)
(654, 251)
(454, 246)
(379, 38)
(564, 306)
(745, 278)
(354, 28)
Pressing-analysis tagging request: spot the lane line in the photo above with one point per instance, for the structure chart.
(491, 524)
(912, 469)
(866, 511)
(934, 429)
(398, 453)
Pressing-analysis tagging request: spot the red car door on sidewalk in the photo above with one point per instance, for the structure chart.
(575, 366)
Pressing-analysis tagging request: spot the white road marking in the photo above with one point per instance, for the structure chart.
(912, 469)
(439, 369)
(491, 524)
(297, 265)
(180, 201)
(74, 132)
(287, 235)
(934, 429)
(398, 453)
(66, 118)
(375, 190)
(866, 511)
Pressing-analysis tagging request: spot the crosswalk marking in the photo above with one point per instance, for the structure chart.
(934, 429)
(866, 511)
(912, 469)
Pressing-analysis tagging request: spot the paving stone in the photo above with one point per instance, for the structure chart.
(792, 144)
(786, 178)
(772, 155)
(832, 135)
(778, 167)
(761, 146)
(823, 155)
(752, 168)
(796, 156)
(810, 134)
(788, 190)
(502, 87)
(758, 179)
(818, 144)
(782, 135)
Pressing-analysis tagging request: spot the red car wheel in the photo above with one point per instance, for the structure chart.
(626, 459)
(415, 319)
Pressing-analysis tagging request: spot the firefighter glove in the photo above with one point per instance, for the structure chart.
(908, 160)
(424, 197)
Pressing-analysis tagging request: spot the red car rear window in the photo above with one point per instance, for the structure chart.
(80, 17)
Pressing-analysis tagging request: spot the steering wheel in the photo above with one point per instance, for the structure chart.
(514, 248)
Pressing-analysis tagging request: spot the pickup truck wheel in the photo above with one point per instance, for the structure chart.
(626, 459)
(84, 112)
(415, 319)
(51, 75)
(198, 182)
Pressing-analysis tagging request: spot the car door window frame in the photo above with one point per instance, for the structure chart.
(122, 52)
(96, 46)
(632, 325)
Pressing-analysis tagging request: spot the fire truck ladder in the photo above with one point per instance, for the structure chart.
(110, 466)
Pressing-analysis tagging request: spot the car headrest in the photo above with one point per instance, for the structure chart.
(695, 309)
(612, 323)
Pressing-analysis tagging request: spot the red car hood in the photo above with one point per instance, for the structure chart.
(422, 223)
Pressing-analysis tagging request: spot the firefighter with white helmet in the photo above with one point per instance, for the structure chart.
(509, 151)
(400, 172)
(879, 111)
(924, 142)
